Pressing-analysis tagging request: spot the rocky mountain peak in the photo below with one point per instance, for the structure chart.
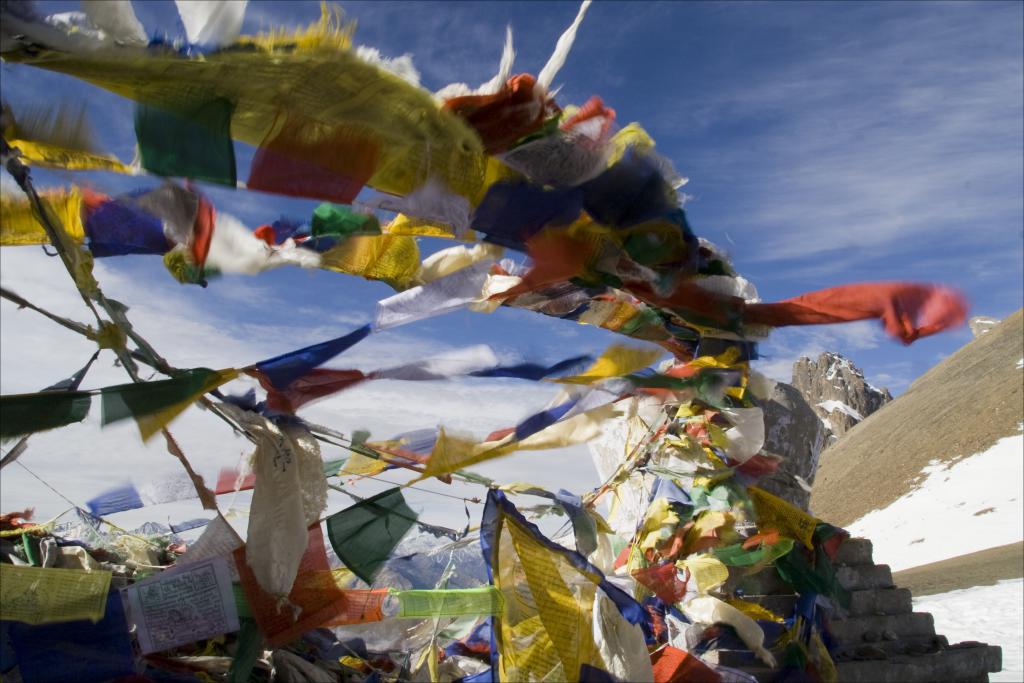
(837, 391)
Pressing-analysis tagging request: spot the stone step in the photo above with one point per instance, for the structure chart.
(854, 551)
(864, 577)
(863, 603)
(886, 649)
(955, 665)
(878, 601)
(958, 664)
(883, 649)
(874, 629)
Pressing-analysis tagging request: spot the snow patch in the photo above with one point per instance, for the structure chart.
(949, 528)
(993, 614)
(831, 405)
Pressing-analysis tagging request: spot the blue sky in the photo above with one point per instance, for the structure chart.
(825, 143)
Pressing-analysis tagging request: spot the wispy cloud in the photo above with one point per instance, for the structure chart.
(873, 141)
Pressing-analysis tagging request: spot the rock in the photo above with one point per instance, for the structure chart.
(795, 433)
(869, 652)
(837, 391)
(872, 636)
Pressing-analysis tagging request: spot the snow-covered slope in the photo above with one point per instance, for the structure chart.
(956, 509)
(992, 613)
(902, 473)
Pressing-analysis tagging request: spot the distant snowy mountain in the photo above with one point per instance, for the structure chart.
(838, 392)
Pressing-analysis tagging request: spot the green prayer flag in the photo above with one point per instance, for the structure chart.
(146, 398)
(332, 467)
(27, 413)
(193, 141)
(483, 601)
(364, 534)
(735, 556)
(250, 646)
(341, 221)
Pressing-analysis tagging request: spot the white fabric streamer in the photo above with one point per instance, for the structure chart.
(448, 261)
(399, 66)
(562, 48)
(746, 436)
(289, 495)
(116, 18)
(212, 23)
(218, 539)
(620, 643)
(492, 86)
(236, 249)
(432, 202)
(705, 609)
(440, 296)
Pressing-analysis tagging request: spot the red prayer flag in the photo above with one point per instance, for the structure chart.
(315, 593)
(672, 665)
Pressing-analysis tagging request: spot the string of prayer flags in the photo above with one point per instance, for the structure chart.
(534, 371)
(453, 452)
(37, 595)
(84, 651)
(30, 413)
(483, 601)
(155, 404)
(364, 534)
(189, 140)
(281, 371)
(616, 361)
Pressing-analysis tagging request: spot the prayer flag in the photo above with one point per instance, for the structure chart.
(82, 651)
(306, 158)
(190, 140)
(364, 534)
(483, 601)
(155, 404)
(282, 370)
(37, 595)
(28, 413)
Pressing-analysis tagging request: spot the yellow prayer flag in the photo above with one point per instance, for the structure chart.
(361, 464)
(19, 225)
(616, 361)
(775, 513)
(37, 153)
(37, 595)
(545, 631)
(707, 571)
(319, 78)
(452, 452)
(395, 259)
(150, 424)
